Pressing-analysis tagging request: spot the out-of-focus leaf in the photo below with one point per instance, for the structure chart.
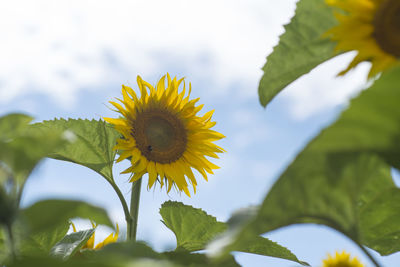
(13, 124)
(128, 251)
(300, 49)
(4, 251)
(23, 149)
(47, 215)
(71, 244)
(92, 144)
(8, 208)
(52, 262)
(194, 228)
(342, 178)
(184, 258)
(42, 242)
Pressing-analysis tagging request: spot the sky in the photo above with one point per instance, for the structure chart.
(69, 58)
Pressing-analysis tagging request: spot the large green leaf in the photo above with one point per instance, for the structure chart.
(300, 49)
(194, 228)
(128, 251)
(342, 178)
(47, 215)
(92, 145)
(12, 125)
(42, 242)
(71, 244)
(21, 148)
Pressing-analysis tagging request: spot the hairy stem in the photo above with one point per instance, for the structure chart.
(134, 210)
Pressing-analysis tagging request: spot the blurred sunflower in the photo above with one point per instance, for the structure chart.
(342, 260)
(163, 136)
(112, 238)
(371, 27)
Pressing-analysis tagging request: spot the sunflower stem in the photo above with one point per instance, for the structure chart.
(134, 209)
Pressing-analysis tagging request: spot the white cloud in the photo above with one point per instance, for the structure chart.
(321, 89)
(59, 48)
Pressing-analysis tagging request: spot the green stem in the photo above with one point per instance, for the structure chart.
(368, 255)
(134, 211)
(128, 217)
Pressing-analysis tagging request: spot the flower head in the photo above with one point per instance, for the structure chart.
(370, 27)
(112, 238)
(162, 135)
(342, 260)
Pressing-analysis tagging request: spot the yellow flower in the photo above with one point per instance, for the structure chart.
(342, 260)
(163, 136)
(112, 238)
(371, 27)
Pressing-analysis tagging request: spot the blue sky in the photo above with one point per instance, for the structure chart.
(69, 58)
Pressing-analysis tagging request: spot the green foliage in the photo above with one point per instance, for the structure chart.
(71, 244)
(301, 48)
(12, 125)
(342, 178)
(92, 145)
(41, 243)
(21, 148)
(194, 228)
(48, 215)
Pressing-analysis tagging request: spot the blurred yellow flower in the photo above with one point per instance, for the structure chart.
(163, 136)
(342, 260)
(370, 27)
(112, 238)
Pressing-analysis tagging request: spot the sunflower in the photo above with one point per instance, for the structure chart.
(371, 27)
(163, 136)
(112, 238)
(342, 260)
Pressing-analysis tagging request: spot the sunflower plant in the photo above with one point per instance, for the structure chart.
(341, 179)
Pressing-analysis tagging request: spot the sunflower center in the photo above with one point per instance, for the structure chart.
(387, 27)
(160, 135)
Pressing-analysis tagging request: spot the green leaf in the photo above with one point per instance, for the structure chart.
(342, 178)
(22, 149)
(4, 250)
(12, 125)
(52, 262)
(41, 243)
(184, 258)
(92, 146)
(47, 215)
(194, 229)
(300, 49)
(380, 222)
(71, 244)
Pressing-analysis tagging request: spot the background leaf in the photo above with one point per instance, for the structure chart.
(342, 178)
(194, 228)
(12, 125)
(21, 148)
(47, 215)
(300, 49)
(71, 244)
(42, 242)
(92, 146)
